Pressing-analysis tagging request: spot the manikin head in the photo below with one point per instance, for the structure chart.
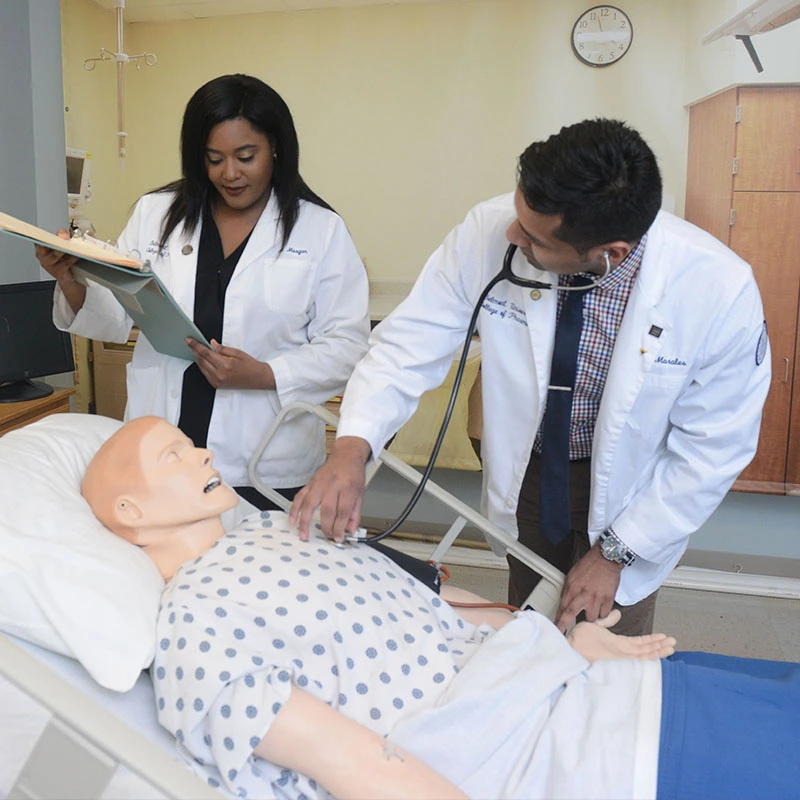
(150, 485)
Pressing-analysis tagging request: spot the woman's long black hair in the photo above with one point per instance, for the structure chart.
(234, 97)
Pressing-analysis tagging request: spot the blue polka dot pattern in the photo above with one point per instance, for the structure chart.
(257, 614)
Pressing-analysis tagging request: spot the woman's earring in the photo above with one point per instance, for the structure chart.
(274, 156)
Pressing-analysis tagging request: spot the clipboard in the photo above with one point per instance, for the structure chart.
(140, 291)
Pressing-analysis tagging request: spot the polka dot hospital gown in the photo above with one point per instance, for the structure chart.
(262, 610)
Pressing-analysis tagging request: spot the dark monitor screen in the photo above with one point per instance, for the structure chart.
(74, 174)
(30, 345)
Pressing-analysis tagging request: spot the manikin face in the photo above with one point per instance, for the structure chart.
(239, 162)
(533, 235)
(179, 484)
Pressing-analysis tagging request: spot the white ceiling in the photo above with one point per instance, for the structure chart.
(178, 10)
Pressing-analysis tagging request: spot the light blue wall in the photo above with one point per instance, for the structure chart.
(753, 533)
(32, 172)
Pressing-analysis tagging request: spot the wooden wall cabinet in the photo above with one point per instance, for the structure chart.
(743, 186)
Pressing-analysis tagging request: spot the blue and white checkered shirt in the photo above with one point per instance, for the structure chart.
(603, 308)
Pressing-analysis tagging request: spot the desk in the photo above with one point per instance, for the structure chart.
(16, 415)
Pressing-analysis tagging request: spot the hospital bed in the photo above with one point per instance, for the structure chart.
(62, 734)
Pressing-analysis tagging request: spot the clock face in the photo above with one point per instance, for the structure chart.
(601, 36)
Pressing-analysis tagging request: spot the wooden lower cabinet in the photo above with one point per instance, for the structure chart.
(17, 415)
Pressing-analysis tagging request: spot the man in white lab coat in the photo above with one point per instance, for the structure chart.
(672, 371)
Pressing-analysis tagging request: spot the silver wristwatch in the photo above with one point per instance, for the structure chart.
(613, 548)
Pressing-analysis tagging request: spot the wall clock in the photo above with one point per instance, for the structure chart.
(601, 36)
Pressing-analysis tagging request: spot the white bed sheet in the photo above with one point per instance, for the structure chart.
(22, 720)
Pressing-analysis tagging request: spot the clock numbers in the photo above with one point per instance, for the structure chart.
(602, 35)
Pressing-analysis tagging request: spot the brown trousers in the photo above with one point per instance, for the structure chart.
(636, 619)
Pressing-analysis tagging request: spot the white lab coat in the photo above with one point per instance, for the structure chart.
(680, 414)
(302, 309)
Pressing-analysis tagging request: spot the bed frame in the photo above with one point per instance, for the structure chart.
(545, 597)
(82, 745)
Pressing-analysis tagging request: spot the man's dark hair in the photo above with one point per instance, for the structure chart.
(600, 176)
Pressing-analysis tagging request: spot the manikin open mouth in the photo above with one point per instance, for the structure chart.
(212, 484)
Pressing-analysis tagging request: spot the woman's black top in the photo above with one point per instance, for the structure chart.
(214, 273)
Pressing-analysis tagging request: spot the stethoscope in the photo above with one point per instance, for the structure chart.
(505, 274)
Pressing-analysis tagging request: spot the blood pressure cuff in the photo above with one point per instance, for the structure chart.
(423, 571)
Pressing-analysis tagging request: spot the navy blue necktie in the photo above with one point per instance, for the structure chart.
(554, 510)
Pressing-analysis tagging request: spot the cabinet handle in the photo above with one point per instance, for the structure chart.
(786, 370)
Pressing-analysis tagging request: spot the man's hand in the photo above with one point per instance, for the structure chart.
(594, 641)
(337, 489)
(590, 586)
(229, 368)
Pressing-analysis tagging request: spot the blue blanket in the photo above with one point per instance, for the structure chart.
(730, 728)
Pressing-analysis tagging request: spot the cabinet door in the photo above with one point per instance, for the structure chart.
(768, 140)
(767, 235)
(709, 175)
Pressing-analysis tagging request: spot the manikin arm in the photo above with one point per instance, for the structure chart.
(349, 760)
(592, 640)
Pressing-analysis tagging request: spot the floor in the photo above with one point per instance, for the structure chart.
(738, 625)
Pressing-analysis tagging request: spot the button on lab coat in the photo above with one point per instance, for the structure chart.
(681, 410)
(302, 309)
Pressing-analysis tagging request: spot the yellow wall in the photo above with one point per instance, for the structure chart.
(407, 115)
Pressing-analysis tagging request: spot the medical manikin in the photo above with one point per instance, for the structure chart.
(286, 666)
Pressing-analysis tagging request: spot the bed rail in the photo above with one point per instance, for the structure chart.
(544, 598)
(83, 744)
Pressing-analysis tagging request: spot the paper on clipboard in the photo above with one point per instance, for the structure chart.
(148, 303)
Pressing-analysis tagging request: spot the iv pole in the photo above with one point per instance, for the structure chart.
(121, 59)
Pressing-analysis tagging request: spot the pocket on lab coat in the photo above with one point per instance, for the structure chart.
(288, 286)
(649, 418)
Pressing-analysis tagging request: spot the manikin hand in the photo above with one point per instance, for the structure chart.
(590, 586)
(337, 489)
(229, 368)
(594, 641)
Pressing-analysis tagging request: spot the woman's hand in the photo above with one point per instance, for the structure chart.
(594, 641)
(59, 265)
(229, 368)
(56, 263)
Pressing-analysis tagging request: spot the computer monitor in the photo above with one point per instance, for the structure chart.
(30, 345)
(78, 172)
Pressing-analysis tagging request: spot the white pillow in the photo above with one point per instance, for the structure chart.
(66, 582)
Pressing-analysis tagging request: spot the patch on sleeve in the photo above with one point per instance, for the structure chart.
(761, 347)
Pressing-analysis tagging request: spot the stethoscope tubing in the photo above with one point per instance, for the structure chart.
(505, 274)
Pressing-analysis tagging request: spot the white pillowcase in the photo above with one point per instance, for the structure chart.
(66, 582)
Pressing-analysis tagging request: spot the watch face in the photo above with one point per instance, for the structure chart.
(601, 36)
(613, 550)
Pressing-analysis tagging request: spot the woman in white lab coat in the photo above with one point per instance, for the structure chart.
(264, 267)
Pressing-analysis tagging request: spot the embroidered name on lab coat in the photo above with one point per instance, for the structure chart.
(504, 309)
(152, 249)
(296, 251)
(673, 362)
